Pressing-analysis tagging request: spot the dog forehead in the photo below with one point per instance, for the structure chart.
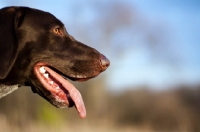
(42, 17)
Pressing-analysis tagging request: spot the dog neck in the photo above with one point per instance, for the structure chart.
(7, 89)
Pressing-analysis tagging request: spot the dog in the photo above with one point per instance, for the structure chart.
(36, 50)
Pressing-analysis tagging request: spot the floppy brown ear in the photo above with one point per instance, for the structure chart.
(9, 18)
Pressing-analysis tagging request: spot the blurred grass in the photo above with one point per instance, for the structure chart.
(48, 115)
(128, 111)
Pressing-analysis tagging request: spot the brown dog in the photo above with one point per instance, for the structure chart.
(36, 50)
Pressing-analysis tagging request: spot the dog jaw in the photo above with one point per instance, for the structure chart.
(63, 93)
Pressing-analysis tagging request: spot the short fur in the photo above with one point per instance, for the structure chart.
(27, 36)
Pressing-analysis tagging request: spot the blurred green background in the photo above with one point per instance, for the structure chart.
(153, 83)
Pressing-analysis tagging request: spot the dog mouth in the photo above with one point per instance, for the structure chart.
(62, 92)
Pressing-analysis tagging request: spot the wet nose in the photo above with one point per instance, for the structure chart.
(104, 62)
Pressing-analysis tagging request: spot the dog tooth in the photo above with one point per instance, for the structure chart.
(46, 75)
(78, 76)
(42, 70)
(51, 82)
(57, 87)
(59, 100)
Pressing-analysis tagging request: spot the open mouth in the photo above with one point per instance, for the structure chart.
(63, 93)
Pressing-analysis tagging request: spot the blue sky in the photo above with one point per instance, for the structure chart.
(178, 19)
(182, 18)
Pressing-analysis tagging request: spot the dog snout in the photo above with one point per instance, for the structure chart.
(104, 62)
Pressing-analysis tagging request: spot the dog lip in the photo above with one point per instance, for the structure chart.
(78, 77)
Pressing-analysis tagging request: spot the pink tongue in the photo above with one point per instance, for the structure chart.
(73, 92)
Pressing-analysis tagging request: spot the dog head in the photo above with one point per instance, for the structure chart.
(38, 51)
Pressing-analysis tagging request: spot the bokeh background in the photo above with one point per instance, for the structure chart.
(152, 84)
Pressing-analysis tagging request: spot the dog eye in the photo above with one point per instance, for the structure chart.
(56, 30)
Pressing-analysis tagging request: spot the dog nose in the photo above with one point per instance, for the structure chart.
(104, 62)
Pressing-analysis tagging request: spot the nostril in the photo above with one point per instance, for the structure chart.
(104, 62)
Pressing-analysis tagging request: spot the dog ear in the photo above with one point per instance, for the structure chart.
(9, 22)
